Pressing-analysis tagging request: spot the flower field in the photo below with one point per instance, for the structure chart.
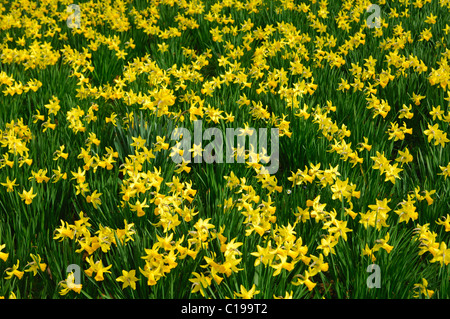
(96, 97)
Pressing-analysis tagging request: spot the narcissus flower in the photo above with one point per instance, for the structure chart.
(9, 184)
(14, 271)
(200, 282)
(94, 198)
(3, 256)
(128, 278)
(304, 279)
(27, 196)
(421, 289)
(35, 265)
(96, 267)
(247, 294)
(70, 284)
